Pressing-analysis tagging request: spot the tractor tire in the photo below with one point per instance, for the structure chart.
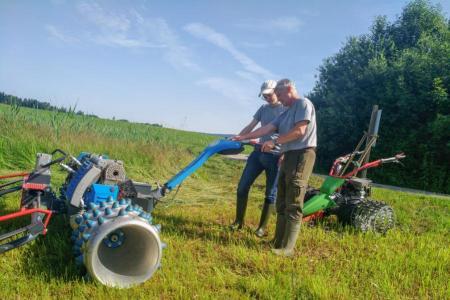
(367, 215)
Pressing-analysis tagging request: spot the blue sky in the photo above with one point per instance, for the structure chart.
(191, 65)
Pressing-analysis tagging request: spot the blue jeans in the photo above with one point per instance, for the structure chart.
(256, 163)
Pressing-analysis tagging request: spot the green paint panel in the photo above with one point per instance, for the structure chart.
(331, 184)
(316, 203)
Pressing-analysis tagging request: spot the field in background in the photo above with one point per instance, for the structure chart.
(203, 258)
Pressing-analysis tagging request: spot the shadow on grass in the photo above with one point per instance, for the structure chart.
(214, 232)
(207, 231)
(332, 224)
(50, 256)
(47, 257)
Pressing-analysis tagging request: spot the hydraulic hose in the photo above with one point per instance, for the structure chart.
(10, 190)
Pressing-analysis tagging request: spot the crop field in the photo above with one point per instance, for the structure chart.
(204, 260)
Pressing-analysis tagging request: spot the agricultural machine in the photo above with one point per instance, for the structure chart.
(113, 232)
(347, 196)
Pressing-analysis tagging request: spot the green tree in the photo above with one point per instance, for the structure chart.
(403, 66)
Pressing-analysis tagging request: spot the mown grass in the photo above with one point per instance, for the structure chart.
(205, 260)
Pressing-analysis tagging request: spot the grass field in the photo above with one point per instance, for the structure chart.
(204, 260)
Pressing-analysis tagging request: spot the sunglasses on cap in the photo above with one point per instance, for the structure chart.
(267, 96)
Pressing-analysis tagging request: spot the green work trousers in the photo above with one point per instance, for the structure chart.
(293, 179)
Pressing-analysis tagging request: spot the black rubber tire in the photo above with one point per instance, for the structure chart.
(367, 215)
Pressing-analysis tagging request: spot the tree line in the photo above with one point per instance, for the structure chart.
(33, 103)
(404, 67)
(36, 104)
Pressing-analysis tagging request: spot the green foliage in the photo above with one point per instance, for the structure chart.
(403, 67)
(25, 132)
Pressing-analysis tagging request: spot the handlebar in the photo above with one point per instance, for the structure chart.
(394, 159)
(373, 164)
(258, 146)
(56, 161)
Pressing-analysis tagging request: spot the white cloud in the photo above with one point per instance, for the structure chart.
(220, 40)
(158, 30)
(228, 88)
(57, 34)
(114, 30)
(121, 40)
(132, 30)
(288, 24)
(275, 26)
(105, 20)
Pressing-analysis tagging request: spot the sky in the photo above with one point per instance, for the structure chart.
(193, 65)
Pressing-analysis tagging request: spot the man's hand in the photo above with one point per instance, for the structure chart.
(268, 146)
(237, 138)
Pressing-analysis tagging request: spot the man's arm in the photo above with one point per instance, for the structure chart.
(297, 132)
(249, 127)
(265, 130)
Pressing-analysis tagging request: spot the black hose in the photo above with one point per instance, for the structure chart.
(10, 190)
(10, 183)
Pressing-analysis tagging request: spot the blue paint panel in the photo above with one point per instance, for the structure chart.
(83, 155)
(100, 193)
(77, 177)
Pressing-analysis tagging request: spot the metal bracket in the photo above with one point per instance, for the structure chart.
(33, 231)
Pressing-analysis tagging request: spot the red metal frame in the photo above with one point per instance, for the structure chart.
(315, 216)
(25, 211)
(33, 186)
(14, 175)
(368, 165)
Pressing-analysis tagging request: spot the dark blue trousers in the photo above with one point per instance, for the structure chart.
(258, 162)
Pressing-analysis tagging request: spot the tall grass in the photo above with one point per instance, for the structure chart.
(203, 259)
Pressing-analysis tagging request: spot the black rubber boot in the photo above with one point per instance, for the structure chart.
(241, 207)
(266, 212)
(290, 238)
(279, 231)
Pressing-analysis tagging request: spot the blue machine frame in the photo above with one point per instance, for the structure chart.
(211, 149)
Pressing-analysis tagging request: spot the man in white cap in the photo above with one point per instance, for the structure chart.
(259, 161)
(298, 140)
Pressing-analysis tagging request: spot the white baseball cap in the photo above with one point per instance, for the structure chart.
(267, 87)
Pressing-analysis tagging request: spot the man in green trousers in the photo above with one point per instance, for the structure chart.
(298, 140)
